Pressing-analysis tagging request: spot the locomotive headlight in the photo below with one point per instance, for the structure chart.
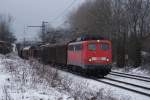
(98, 40)
(107, 59)
(90, 60)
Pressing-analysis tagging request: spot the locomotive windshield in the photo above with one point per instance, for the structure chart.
(104, 46)
(92, 47)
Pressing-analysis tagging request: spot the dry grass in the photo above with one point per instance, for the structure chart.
(40, 73)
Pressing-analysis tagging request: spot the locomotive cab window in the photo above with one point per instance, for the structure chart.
(78, 47)
(92, 47)
(71, 48)
(104, 46)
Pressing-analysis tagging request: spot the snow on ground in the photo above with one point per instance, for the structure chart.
(17, 82)
(137, 71)
(20, 86)
(115, 92)
(140, 71)
(137, 82)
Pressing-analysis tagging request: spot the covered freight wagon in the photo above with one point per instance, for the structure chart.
(54, 54)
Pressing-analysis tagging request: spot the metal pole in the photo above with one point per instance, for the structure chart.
(43, 28)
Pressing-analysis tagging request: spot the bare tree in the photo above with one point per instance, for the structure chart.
(138, 13)
(125, 22)
(5, 29)
(53, 35)
(119, 30)
(92, 17)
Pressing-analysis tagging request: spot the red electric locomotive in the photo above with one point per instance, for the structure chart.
(92, 55)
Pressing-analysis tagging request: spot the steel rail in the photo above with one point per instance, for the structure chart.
(139, 86)
(123, 87)
(112, 84)
(148, 78)
(132, 77)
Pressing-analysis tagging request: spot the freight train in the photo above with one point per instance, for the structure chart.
(91, 55)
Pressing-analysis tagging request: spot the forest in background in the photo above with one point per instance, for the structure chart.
(125, 22)
(6, 33)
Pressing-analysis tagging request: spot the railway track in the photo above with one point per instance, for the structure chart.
(131, 76)
(142, 90)
(127, 86)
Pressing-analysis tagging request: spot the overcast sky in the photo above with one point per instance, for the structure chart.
(33, 12)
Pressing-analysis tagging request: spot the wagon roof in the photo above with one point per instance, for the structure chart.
(51, 45)
(27, 48)
(3, 42)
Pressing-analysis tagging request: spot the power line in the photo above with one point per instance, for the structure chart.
(64, 15)
(64, 11)
(43, 26)
(56, 18)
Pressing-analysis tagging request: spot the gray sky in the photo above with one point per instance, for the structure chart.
(33, 12)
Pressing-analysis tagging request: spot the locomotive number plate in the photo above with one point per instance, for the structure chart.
(103, 58)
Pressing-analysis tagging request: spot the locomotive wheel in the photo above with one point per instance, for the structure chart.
(69, 67)
(100, 74)
(79, 70)
(95, 72)
(87, 72)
